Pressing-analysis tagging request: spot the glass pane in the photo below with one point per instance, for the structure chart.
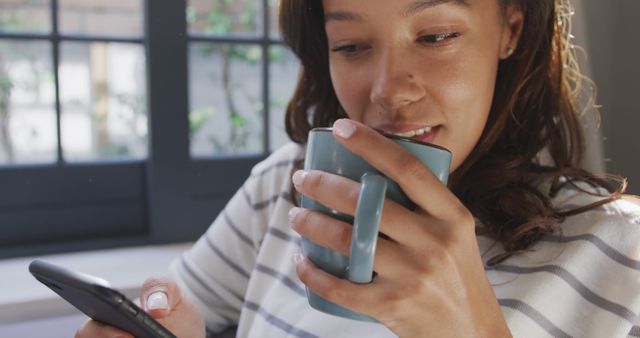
(103, 98)
(101, 17)
(274, 27)
(225, 99)
(27, 103)
(283, 70)
(213, 17)
(25, 16)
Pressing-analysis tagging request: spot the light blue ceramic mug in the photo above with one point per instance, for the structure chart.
(325, 153)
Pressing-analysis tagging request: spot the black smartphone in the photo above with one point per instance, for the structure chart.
(94, 297)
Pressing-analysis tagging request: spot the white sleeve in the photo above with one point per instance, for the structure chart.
(215, 272)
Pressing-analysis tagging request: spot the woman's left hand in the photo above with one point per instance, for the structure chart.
(431, 279)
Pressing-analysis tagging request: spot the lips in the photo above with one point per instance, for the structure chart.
(412, 133)
(422, 134)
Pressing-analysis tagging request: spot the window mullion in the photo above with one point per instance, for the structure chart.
(168, 163)
(266, 109)
(55, 42)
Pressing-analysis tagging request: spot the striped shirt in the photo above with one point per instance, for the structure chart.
(584, 282)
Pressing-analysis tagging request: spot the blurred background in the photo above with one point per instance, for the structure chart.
(127, 123)
(112, 110)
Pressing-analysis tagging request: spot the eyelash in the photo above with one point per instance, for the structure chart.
(436, 40)
(348, 50)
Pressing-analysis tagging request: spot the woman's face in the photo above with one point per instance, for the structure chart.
(422, 69)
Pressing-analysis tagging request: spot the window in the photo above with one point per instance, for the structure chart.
(132, 122)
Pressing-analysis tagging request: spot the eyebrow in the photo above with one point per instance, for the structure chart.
(412, 8)
(342, 16)
(421, 5)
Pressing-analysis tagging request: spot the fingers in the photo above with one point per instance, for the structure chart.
(363, 298)
(330, 233)
(159, 296)
(336, 290)
(397, 163)
(334, 234)
(94, 329)
(341, 194)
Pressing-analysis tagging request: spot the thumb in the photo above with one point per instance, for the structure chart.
(159, 296)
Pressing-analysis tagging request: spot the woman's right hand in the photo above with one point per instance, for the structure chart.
(162, 299)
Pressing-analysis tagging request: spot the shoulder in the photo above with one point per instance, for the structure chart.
(271, 177)
(566, 277)
(615, 224)
(283, 157)
(625, 209)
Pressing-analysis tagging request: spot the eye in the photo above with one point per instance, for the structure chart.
(440, 38)
(348, 50)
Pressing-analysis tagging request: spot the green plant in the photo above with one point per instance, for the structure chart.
(219, 21)
(199, 117)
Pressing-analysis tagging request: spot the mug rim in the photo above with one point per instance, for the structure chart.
(391, 136)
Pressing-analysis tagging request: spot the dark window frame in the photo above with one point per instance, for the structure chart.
(168, 197)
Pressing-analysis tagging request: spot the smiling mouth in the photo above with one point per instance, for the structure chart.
(413, 133)
(424, 134)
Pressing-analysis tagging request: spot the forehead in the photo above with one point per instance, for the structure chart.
(340, 10)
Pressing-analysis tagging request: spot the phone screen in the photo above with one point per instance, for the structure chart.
(95, 298)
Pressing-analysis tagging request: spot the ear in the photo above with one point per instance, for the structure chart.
(511, 31)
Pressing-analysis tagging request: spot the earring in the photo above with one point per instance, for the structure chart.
(510, 51)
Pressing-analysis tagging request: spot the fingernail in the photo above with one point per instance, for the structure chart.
(297, 258)
(293, 212)
(344, 128)
(298, 177)
(157, 300)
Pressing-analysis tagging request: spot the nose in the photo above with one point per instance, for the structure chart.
(395, 84)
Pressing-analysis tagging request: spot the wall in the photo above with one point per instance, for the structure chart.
(613, 46)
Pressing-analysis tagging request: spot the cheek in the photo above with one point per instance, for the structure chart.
(466, 101)
(351, 88)
(469, 102)
(469, 80)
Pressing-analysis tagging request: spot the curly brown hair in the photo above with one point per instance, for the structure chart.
(538, 100)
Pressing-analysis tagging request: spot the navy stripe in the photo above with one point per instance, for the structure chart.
(263, 204)
(226, 259)
(284, 236)
(283, 163)
(236, 230)
(600, 244)
(279, 323)
(286, 196)
(576, 284)
(535, 315)
(282, 278)
(195, 276)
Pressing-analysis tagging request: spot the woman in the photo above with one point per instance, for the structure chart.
(521, 243)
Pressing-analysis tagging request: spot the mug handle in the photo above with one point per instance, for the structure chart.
(366, 225)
